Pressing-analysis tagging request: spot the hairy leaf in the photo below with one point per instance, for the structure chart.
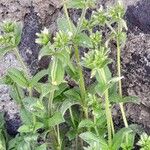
(18, 77)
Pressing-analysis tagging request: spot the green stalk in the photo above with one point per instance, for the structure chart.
(96, 129)
(72, 118)
(21, 61)
(107, 109)
(73, 122)
(17, 91)
(81, 81)
(19, 58)
(77, 55)
(67, 16)
(112, 126)
(120, 82)
(119, 74)
(58, 138)
(50, 103)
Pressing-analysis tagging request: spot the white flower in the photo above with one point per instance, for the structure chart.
(45, 31)
(70, 34)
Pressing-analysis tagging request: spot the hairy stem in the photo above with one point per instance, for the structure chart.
(50, 103)
(81, 82)
(67, 15)
(119, 73)
(58, 138)
(25, 69)
(77, 55)
(120, 82)
(107, 108)
(20, 59)
(72, 118)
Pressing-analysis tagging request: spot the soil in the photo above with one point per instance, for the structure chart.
(36, 14)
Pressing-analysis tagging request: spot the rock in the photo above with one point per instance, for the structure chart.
(12, 124)
(136, 62)
(28, 48)
(139, 16)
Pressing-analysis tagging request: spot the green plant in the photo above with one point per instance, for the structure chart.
(144, 142)
(2, 133)
(56, 103)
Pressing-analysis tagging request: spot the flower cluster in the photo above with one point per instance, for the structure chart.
(96, 59)
(43, 37)
(144, 142)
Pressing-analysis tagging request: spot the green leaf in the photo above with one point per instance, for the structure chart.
(83, 40)
(17, 33)
(115, 80)
(37, 77)
(37, 125)
(18, 77)
(119, 137)
(66, 105)
(129, 143)
(72, 134)
(2, 140)
(132, 99)
(5, 50)
(41, 147)
(116, 98)
(23, 146)
(47, 88)
(86, 123)
(17, 94)
(47, 50)
(91, 138)
(101, 88)
(34, 106)
(57, 72)
(24, 129)
(61, 88)
(56, 119)
(78, 4)
(64, 26)
(72, 72)
(26, 117)
(73, 94)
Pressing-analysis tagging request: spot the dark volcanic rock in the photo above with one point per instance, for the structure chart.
(12, 124)
(139, 16)
(136, 62)
(28, 48)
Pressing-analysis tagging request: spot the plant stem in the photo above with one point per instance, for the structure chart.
(80, 22)
(72, 118)
(74, 125)
(112, 126)
(120, 82)
(81, 81)
(77, 55)
(76, 143)
(119, 73)
(50, 103)
(17, 92)
(67, 16)
(107, 109)
(21, 61)
(96, 129)
(58, 138)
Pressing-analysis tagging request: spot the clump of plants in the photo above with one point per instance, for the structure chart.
(59, 113)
